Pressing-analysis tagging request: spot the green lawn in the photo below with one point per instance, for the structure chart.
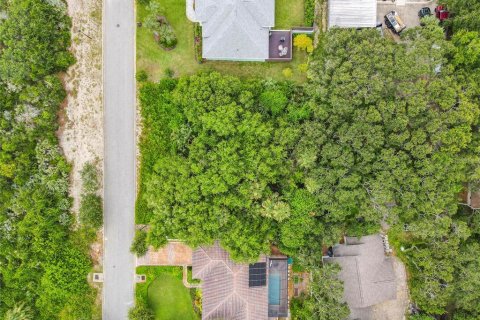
(165, 293)
(289, 13)
(155, 60)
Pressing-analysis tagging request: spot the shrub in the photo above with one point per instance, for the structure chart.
(142, 76)
(287, 73)
(169, 73)
(167, 38)
(360, 228)
(298, 113)
(91, 210)
(91, 205)
(422, 317)
(139, 244)
(303, 42)
(309, 13)
(196, 296)
(155, 238)
(89, 176)
(273, 101)
(19, 312)
(141, 312)
(198, 42)
(303, 67)
(162, 30)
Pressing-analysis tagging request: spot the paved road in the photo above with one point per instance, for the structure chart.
(119, 180)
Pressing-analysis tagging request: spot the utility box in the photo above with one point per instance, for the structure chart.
(97, 277)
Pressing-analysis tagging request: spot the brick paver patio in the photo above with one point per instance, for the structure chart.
(175, 253)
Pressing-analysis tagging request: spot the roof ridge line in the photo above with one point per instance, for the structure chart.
(359, 280)
(218, 305)
(200, 271)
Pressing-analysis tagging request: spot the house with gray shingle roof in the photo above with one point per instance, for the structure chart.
(232, 291)
(367, 273)
(235, 29)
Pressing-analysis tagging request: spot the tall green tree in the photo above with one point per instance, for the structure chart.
(466, 293)
(42, 265)
(464, 14)
(34, 37)
(19, 312)
(324, 300)
(390, 125)
(393, 138)
(221, 161)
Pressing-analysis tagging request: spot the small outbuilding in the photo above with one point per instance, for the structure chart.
(352, 13)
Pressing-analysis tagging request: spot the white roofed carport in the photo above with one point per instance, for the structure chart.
(352, 13)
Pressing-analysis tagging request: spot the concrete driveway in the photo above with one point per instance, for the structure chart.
(407, 10)
(119, 165)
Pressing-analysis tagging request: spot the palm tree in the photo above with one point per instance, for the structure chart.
(19, 312)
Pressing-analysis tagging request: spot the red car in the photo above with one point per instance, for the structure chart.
(441, 13)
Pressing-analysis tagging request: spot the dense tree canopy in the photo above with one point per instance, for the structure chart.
(33, 37)
(393, 139)
(390, 125)
(324, 300)
(464, 14)
(42, 266)
(222, 160)
(382, 133)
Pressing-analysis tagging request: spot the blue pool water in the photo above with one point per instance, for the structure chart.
(274, 289)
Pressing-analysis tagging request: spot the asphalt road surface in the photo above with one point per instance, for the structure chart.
(119, 165)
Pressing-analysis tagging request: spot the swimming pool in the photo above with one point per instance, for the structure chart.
(277, 288)
(274, 284)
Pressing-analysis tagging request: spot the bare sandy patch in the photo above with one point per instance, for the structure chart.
(81, 132)
(81, 116)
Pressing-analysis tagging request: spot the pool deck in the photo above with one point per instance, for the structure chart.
(279, 267)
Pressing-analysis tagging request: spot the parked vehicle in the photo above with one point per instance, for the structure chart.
(393, 22)
(441, 13)
(424, 12)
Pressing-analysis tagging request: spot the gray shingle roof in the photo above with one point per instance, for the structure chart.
(367, 273)
(235, 29)
(352, 13)
(225, 289)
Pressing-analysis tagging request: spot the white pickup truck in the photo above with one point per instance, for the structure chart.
(393, 21)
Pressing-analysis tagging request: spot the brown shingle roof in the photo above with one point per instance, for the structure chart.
(226, 294)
